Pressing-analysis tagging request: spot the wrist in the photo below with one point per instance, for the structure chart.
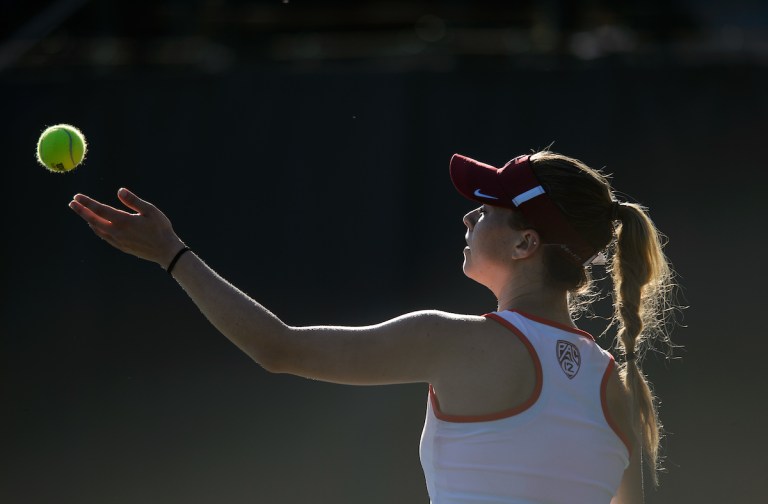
(169, 250)
(175, 259)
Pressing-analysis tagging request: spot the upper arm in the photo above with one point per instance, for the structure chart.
(631, 486)
(411, 348)
(619, 402)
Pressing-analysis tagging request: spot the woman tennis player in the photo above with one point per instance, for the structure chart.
(523, 406)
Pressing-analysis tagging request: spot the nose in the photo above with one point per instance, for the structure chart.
(470, 219)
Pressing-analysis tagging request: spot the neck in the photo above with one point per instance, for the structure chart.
(550, 304)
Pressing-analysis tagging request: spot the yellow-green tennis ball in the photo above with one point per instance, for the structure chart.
(61, 148)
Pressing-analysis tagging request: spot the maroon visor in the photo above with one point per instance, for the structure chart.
(515, 186)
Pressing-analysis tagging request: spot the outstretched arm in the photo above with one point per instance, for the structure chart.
(401, 350)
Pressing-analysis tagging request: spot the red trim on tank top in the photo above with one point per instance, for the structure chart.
(507, 412)
(604, 404)
(552, 323)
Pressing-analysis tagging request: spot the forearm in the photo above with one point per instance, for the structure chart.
(148, 234)
(249, 325)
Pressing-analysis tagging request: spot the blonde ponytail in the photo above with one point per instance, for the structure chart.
(642, 277)
(642, 280)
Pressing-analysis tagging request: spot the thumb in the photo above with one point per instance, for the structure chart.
(134, 202)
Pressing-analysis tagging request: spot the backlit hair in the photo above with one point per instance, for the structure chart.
(641, 275)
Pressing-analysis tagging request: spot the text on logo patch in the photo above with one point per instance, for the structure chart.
(569, 358)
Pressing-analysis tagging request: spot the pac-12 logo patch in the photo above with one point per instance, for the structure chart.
(569, 358)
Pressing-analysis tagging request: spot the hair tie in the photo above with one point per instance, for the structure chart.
(630, 356)
(180, 253)
(615, 207)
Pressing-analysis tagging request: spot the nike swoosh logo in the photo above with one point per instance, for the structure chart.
(481, 195)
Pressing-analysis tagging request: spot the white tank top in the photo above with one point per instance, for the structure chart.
(560, 446)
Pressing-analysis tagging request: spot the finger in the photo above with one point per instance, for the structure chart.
(104, 235)
(105, 211)
(89, 216)
(134, 202)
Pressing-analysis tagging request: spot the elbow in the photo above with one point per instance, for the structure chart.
(273, 355)
(271, 362)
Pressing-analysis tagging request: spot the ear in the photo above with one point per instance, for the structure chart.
(528, 242)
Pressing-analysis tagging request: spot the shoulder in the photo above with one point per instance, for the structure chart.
(451, 339)
(436, 325)
(482, 367)
(458, 341)
(442, 318)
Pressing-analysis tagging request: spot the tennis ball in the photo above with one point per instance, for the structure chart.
(61, 148)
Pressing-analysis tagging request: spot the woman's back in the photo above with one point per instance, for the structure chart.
(560, 444)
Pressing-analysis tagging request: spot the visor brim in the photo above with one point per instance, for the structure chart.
(477, 181)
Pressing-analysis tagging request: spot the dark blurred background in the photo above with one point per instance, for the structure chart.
(301, 148)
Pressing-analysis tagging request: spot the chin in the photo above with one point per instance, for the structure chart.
(470, 269)
(467, 269)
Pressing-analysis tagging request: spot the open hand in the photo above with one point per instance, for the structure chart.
(147, 234)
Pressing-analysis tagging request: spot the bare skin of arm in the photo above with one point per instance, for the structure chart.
(631, 487)
(401, 350)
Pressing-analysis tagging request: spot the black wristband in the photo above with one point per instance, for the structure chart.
(176, 258)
